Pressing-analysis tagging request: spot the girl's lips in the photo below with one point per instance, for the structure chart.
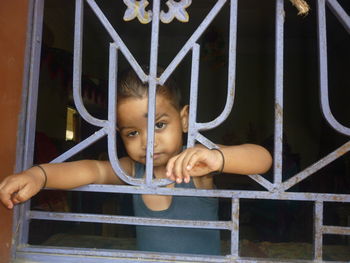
(156, 155)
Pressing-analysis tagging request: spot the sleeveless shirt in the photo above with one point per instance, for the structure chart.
(175, 239)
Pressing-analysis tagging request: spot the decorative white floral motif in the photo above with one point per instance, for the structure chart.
(137, 9)
(176, 9)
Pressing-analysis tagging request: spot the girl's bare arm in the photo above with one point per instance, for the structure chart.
(246, 159)
(20, 187)
(199, 161)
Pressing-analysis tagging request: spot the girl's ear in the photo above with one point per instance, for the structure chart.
(184, 118)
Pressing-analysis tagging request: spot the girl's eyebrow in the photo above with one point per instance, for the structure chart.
(158, 116)
(124, 128)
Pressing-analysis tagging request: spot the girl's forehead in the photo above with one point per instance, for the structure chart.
(161, 100)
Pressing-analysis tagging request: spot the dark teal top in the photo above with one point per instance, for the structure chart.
(174, 239)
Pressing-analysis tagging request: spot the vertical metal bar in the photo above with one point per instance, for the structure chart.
(78, 46)
(112, 100)
(278, 140)
(235, 228)
(323, 69)
(33, 82)
(152, 91)
(112, 116)
(318, 235)
(77, 66)
(231, 72)
(22, 149)
(192, 131)
(22, 225)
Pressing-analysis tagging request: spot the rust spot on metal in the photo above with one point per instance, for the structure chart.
(278, 111)
(343, 150)
(232, 93)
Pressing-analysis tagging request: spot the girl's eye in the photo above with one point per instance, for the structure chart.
(160, 125)
(132, 134)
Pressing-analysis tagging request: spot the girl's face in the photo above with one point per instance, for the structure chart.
(170, 124)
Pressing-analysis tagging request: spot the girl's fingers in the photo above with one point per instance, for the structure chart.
(177, 169)
(13, 192)
(191, 162)
(6, 193)
(169, 168)
(6, 200)
(188, 165)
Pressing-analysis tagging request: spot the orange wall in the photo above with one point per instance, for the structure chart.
(13, 27)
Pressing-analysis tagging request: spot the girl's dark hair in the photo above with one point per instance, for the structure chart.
(130, 86)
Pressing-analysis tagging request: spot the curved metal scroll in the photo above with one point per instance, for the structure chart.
(324, 97)
(323, 69)
(108, 126)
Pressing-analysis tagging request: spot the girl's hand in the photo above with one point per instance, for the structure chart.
(195, 161)
(18, 188)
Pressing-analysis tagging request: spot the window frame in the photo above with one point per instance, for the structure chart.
(274, 191)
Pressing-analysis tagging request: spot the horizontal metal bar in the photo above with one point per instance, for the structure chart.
(78, 255)
(66, 254)
(215, 193)
(129, 220)
(336, 230)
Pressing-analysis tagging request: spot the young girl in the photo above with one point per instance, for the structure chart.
(188, 168)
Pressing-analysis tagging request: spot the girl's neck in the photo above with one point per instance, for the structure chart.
(159, 172)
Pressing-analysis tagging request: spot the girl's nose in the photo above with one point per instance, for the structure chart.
(144, 141)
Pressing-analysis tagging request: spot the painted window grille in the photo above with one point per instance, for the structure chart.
(276, 189)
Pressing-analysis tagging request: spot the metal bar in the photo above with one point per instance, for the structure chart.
(69, 255)
(112, 118)
(279, 53)
(116, 38)
(192, 118)
(256, 177)
(336, 230)
(235, 228)
(193, 39)
(231, 73)
(318, 237)
(152, 81)
(105, 255)
(340, 13)
(323, 70)
(22, 123)
(205, 141)
(275, 191)
(80, 146)
(35, 41)
(262, 181)
(129, 220)
(316, 166)
(215, 193)
(77, 66)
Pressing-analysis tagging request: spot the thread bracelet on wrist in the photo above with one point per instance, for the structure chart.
(44, 173)
(223, 161)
